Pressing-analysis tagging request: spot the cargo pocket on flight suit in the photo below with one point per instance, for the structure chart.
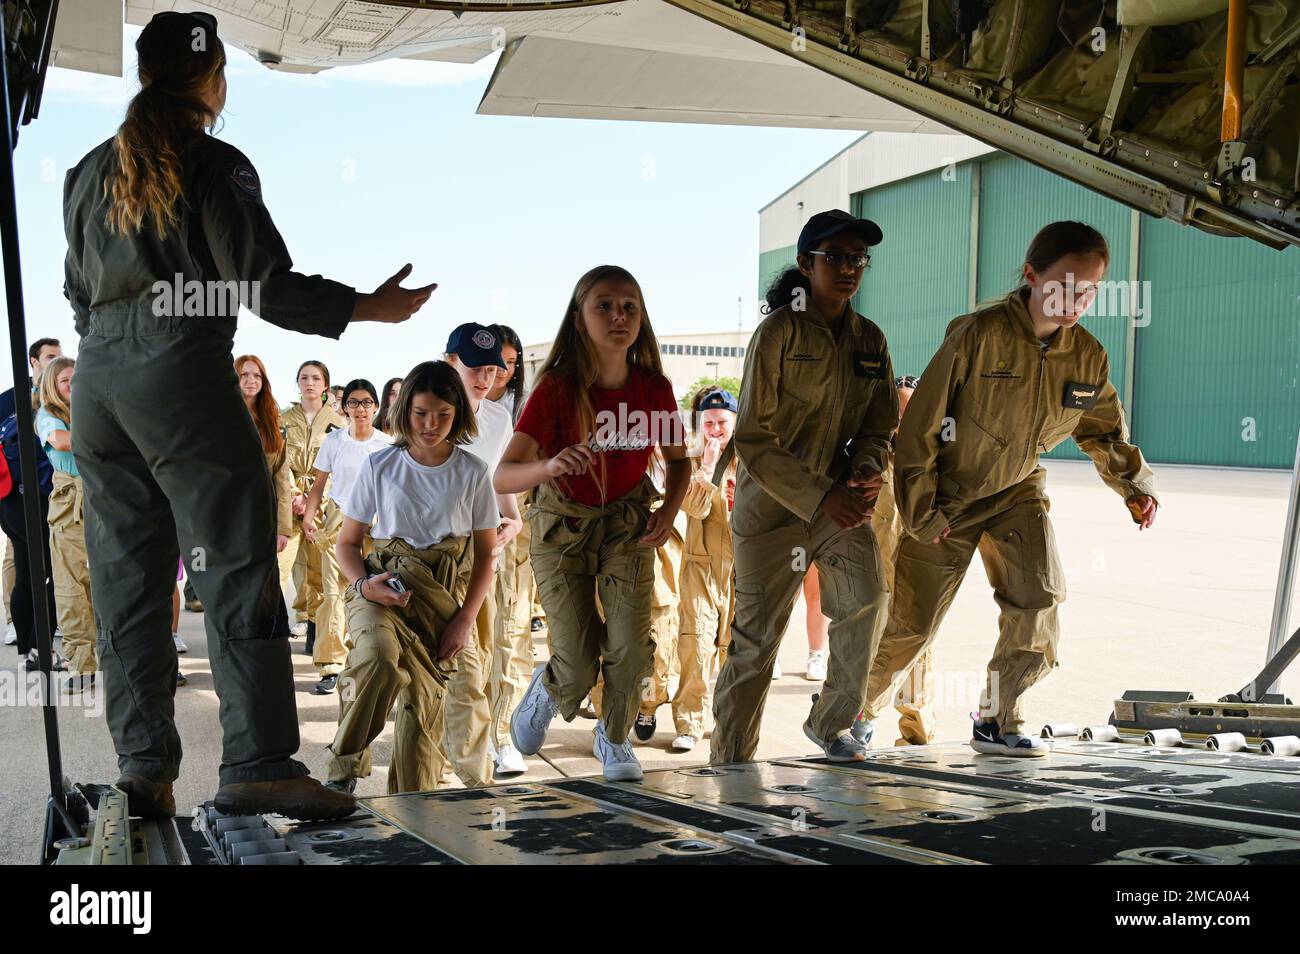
(850, 573)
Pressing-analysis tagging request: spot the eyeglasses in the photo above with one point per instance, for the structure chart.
(353, 404)
(836, 259)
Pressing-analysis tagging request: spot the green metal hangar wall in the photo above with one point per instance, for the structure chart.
(1209, 369)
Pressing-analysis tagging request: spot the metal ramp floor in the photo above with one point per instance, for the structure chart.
(1087, 803)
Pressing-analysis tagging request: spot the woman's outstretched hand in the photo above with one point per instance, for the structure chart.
(390, 303)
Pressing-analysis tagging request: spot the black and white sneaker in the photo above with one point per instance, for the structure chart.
(326, 686)
(988, 739)
(644, 727)
(181, 679)
(347, 786)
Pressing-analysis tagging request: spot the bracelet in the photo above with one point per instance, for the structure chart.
(361, 582)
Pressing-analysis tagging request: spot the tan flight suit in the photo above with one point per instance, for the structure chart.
(462, 732)
(915, 698)
(72, 602)
(282, 481)
(512, 656)
(665, 624)
(577, 550)
(991, 401)
(394, 659)
(705, 600)
(299, 559)
(815, 409)
(330, 651)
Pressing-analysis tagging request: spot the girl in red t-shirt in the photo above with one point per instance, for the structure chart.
(599, 407)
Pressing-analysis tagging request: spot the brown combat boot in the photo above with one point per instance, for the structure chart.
(302, 798)
(146, 798)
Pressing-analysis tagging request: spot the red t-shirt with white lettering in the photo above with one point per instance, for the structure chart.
(630, 421)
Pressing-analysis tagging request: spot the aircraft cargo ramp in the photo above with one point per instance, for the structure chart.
(1088, 803)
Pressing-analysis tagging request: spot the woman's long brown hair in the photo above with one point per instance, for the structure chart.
(573, 358)
(266, 413)
(163, 118)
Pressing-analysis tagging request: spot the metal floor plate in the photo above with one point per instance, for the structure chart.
(1087, 803)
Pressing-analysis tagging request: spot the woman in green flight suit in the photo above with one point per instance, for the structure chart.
(164, 223)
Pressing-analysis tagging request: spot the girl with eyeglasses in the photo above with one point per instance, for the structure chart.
(342, 454)
(812, 437)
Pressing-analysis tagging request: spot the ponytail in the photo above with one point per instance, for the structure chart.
(180, 62)
(783, 289)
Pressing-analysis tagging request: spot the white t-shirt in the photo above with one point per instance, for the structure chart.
(494, 432)
(341, 456)
(422, 504)
(507, 401)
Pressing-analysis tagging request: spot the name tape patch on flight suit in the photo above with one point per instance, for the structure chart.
(1082, 396)
(867, 365)
(244, 177)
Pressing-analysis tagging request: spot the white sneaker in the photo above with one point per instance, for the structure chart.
(11, 634)
(298, 629)
(509, 761)
(815, 671)
(618, 762)
(180, 644)
(776, 670)
(683, 743)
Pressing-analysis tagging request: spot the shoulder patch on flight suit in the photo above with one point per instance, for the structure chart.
(246, 179)
(1082, 396)
(867, 364)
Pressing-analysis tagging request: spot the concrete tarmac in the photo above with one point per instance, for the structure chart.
(1185, 605)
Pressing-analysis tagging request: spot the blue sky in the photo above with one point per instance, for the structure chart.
(366, 168)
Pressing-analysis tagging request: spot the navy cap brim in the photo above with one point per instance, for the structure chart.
(469, 362)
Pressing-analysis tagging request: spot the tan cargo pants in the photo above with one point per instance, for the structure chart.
(704, 623)
(394, 660)
(76, 614)
(463, 730)
(915, 697)
(770, 567)
(512, 655)
(331, 649)
(300, 563)
(1014, 537)
(576, 551)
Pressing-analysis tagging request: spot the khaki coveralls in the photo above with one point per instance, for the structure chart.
(705, 600)
(72, 599)
(299, 559)
(815, 408)
(915, 698)
(991, 401)
(394, 659)
(577, 550)
(512, 656)
(330, 651)
(665, 624)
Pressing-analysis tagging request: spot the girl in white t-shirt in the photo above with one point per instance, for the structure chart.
(427, 497)
(341, 455)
